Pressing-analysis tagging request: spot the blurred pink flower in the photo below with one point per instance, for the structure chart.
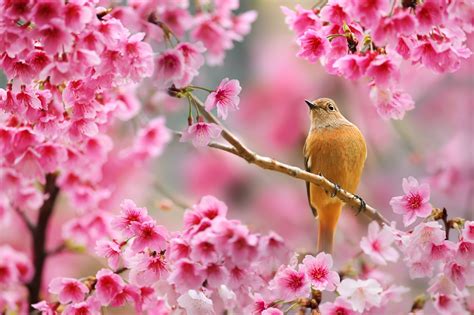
(449, 305)
(68, 290)
(368, 12)
(90, 306)
(290, 284)
(461, 273)
(415, 202)
(152, 139)
(362, 294)
(186, 275)
(340, 306)
(272, 311)
(391, 103)
(468, 231)
(318, 272)
(201, 133)
(301, 19)
(170, 66)
(196, 303)
(313, 45)
(45, 308)
(225, 97)
(108, 286)
(377, 244)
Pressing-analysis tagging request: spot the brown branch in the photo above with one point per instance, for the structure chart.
(271, 164)
(39, 237)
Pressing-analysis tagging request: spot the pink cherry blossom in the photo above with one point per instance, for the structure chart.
(152, 139)
(225, 97)
(130, 213)
(170, 66)
(213, 36)
(460, 273)
(313, 45)
(290, 284)
(108, 286)
(186, 275)
(211, 208)
(201, 133)
(148, 235)
(196, 303)
(339, 307)
(377, 244)
(318, 272)
(68, 290)
(301, 19)
(383, 70)
(415, 202)
(110, 250)
(147, 269)
(362, 294)
(468, 231)
(449, 305)
(352, 66)
(91, 306)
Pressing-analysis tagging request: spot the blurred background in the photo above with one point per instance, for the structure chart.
(434, 143)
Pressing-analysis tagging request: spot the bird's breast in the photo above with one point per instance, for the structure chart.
(338, 153)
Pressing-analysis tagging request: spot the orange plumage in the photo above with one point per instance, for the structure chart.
(336, 149)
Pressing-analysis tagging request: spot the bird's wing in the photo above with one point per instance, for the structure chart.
(308, 193)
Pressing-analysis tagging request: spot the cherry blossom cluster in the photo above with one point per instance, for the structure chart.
(427, 250)
(213, 264)
(69, 67)
(359, 39)
(15, 271)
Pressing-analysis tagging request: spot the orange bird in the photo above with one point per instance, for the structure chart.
(336, 149)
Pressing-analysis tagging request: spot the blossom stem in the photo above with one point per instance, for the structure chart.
(176, 200)
(273, 165)
(200, 88)
(25, 219)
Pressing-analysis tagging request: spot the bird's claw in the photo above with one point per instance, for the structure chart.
(362, 206)
(337, 188)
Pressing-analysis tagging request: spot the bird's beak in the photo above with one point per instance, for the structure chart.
(310, 104)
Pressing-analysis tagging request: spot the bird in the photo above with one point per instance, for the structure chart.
(336, 149)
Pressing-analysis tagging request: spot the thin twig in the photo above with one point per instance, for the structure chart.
(212, 144)
(57, 250)
(271, 164)
(175, 199)
(25, 219)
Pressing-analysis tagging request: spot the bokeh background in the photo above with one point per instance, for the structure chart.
(434, 143)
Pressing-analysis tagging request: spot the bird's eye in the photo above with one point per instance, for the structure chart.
(331, 108)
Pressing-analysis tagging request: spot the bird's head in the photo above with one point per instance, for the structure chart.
(324, 112)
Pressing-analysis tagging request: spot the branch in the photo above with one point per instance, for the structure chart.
(268, 163)
(25, 219)
(39, 237)
(175, 199)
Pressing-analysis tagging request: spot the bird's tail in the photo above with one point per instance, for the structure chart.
(328, 218)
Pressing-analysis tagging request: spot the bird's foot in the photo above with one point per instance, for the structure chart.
(337, 188)
(362, 206)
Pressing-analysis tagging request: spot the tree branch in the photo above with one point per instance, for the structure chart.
(25, 219)
(268, 163)
(39, 237)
